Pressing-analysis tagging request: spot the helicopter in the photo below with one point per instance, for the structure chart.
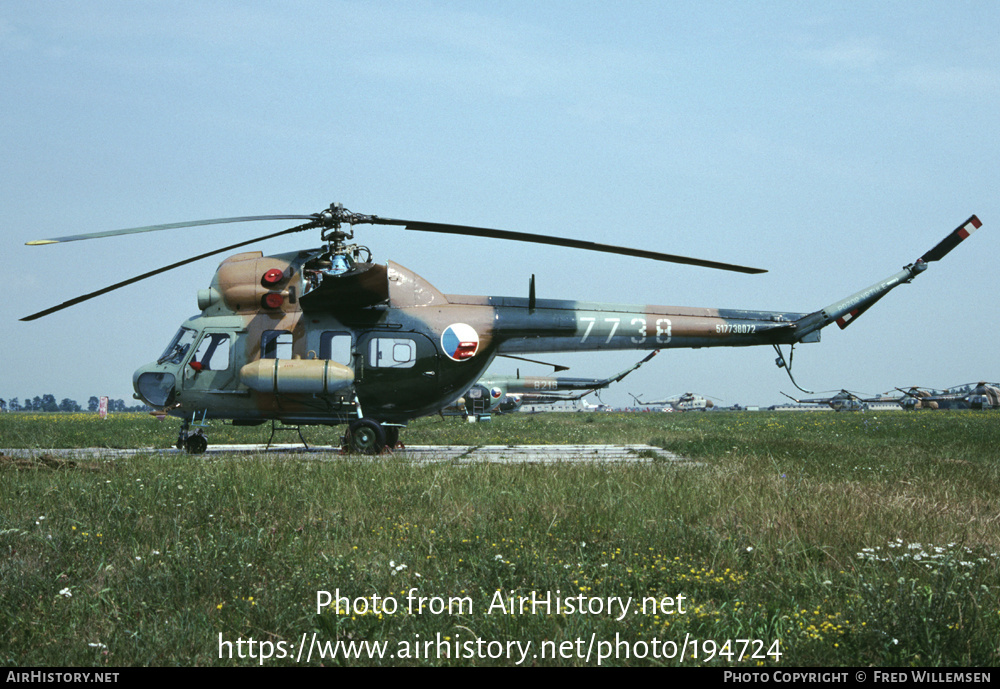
(981, 395)
(327, 336)
(687, 401)
(504, 394)
(845, 400)
(914, 398)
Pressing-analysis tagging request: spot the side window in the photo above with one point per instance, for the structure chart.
(335, 346)
(276, 344)
(213, 352)
(392, 352)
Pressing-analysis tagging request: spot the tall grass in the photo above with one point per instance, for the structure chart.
(834, 539)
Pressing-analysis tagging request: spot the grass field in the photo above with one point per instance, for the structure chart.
(811, 539)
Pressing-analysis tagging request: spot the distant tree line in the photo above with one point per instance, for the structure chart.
(48, 403)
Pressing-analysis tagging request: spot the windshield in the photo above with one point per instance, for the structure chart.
(178, 347)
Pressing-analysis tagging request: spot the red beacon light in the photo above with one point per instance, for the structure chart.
(273, 300)
(272, 277)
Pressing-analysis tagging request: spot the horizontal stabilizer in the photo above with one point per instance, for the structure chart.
(618, 378)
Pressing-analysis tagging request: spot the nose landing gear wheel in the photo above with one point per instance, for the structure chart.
(366, 437)
(196, 444)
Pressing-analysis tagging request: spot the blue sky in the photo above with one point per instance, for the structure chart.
(830, 143)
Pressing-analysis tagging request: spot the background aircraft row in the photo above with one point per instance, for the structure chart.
(504, 394)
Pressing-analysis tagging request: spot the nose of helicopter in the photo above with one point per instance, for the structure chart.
(154, 385)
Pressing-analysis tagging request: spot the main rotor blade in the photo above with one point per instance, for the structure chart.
(164, 269)
(169, 226)
(559, 241)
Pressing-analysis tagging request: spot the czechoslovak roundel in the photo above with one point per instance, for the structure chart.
(460, 341)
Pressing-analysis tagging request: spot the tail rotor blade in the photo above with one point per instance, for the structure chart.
(952, 240)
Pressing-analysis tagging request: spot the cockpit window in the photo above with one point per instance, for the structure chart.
(213, 352)
(178, 347)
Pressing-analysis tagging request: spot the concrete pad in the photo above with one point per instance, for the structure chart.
(422, 454)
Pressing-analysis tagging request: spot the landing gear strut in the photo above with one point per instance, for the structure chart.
(391, 436)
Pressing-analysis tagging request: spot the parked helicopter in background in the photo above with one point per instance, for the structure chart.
(980, 395)
(914, 398)
(845, 400)
(984, 396)
(687, 401)
(327, 336)
(504, 394)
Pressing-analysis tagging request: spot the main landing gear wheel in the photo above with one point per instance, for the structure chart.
(391, 436)
(366, 437)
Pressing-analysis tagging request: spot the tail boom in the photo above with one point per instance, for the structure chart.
(846, 311)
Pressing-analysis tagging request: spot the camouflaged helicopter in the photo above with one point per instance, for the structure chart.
(981, 395)
(327, 336)
(918, 398)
